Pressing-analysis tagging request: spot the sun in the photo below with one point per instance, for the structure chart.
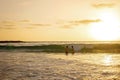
(105, 33)
(108, 29)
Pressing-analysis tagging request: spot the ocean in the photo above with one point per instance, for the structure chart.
(48, 61)
(59, 46)
(36, 43)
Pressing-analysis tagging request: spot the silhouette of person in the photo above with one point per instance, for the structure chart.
(66, 50)
(73, 52)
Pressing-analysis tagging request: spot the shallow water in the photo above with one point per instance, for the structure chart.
(43, 66)
(107, 59)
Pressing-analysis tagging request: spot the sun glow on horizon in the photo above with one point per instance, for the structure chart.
(108, 29)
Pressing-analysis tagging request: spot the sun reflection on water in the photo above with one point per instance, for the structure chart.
(107, 60)
(100, 59)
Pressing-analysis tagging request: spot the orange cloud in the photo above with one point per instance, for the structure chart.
(66, 26)
(87, 21)
(30, 28)
(71, 24)
(8, 22)
(9, 28)
(103, 5)
(40, 24)
(9, 25)
(5, 27)
(24, 20)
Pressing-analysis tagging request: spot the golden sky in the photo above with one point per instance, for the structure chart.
(60, 20)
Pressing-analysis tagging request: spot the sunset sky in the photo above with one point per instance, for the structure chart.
(60, 20)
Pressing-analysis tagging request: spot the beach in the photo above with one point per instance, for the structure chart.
(51, 66)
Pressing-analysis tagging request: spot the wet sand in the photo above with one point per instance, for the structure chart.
(43, 66)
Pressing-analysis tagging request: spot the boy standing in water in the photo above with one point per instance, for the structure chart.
(73, 52)
(66, 50)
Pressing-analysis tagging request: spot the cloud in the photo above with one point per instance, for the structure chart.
(24, 20)
(8, 22)
(71, 24)
(67, 26)
(7, 28)
(9, 25)
(103, 5)
(29, 28)
(87, 21)
(40, 24)
(10, 28)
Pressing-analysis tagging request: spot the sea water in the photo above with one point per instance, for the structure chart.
(41, 66)
(35, 43)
